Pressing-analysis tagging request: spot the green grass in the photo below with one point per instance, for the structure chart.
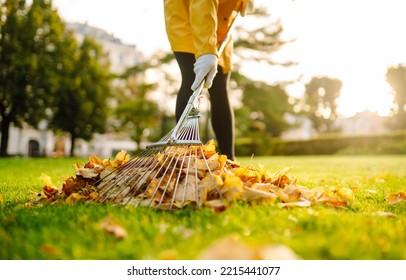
(319, 232)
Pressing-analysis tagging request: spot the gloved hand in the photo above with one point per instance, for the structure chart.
(205, 67)
(247, 7)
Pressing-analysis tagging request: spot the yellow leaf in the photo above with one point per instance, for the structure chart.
(74, 198)
(345, 193)
(47, 180)
(1, 199)
(232, 188)
(209, 146)
(95, 160)
(121, 158)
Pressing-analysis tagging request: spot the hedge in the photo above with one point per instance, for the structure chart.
(391, 143)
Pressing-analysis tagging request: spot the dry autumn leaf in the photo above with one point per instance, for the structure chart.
(394, 198)
(113, 228)
(232, 248)
(385, 214)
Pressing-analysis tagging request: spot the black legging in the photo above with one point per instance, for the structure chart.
(222, 115)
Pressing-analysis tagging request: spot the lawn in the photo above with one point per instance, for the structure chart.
(368, 228)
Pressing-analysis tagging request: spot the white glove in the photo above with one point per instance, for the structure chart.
(205, 67)
(247, 7)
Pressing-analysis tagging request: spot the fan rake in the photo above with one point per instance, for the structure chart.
(174, 172)
(171, 173)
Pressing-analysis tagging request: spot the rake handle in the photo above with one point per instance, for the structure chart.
(190, 105)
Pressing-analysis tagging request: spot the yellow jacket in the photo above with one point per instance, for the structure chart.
(198, 26)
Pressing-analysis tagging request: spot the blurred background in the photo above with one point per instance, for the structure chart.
(92, 77)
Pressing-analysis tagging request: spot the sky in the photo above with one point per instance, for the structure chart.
(353, 41)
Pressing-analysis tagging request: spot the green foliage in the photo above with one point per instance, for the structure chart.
(83, 90)
(264, 109)
(29, 39)
(258, 43)
(396, 77)
(46, 75)
(320, 102)
(392, 143)
(135, 112)
(70, 232)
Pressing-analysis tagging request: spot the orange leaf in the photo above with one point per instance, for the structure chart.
(396, 197)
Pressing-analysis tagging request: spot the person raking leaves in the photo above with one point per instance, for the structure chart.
(194, 29)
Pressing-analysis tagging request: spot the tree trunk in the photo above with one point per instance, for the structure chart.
(5, 127)
(72, 144)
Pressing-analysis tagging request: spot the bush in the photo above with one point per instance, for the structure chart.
(391, 143)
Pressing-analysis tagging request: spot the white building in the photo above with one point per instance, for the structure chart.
(363, 123)
(121, 56)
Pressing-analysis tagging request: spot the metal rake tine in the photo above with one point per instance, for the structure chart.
(112, 182)
(108, 187)
(169, 181)
(177, 182)
(149, 185)
(157, 167)
(136, 180)
(190, 131)
(196, 179)
(185, 183)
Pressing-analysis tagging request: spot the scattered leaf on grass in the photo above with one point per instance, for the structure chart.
(385, 214)
(113, 228)
(231, 248)
(304, 203)
(394, 198)
(1, 199)
(170, 254)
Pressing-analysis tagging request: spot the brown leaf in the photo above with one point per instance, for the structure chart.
(113, 228)
(73, 185)
(50, 191)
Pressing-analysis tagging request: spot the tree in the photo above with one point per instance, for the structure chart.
(83, 91)
(29, 39)
(135, 113)
(258, 43)
(264, 108)
(396, 77)
(320, 99)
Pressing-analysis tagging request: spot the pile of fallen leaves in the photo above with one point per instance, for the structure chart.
(82, 185)
(232, 181)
